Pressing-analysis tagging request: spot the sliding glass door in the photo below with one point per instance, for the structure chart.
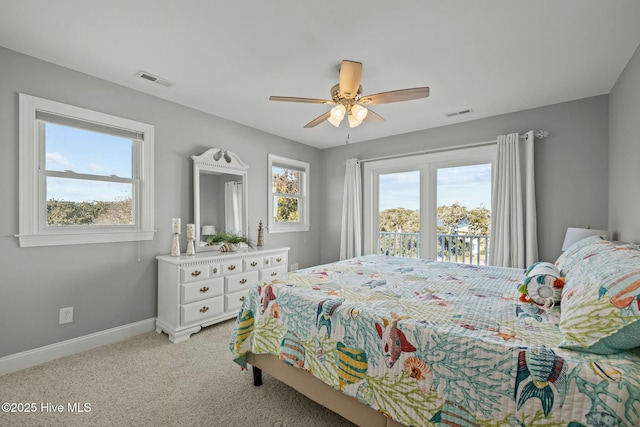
(434, 206)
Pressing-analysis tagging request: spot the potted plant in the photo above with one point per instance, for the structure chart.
(228, 240)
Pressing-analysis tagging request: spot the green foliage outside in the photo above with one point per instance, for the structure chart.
(451, 218)
(61, 212)
(286, 181)
(399, 219)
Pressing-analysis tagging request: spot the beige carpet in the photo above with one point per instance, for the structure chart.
(147, 381)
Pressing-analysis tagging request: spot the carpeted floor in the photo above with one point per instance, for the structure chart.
(147, 381)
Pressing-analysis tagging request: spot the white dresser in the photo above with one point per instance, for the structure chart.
(209, 287)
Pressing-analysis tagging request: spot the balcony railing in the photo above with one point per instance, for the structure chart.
(458, 248)
(399, 244)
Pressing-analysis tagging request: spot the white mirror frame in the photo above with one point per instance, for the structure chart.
(227, 163)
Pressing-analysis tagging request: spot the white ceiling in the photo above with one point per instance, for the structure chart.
(227, 58)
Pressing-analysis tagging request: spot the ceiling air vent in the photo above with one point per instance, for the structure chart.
(155, 79)
(459, 113)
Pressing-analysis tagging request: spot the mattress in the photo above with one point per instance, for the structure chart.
(431, 343)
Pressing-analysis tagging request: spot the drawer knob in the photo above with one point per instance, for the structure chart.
(266, 261)
(242, 298)
(253, 264)
(274, 274)
(196, 273)
(243, 281)
(204, 309)
(278, 259)
(204, 289)
(232, 267)
(215, 270)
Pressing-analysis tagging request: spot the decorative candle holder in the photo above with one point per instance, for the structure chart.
(260, 235)
(175, 228)
(191, 250)
(175, 246)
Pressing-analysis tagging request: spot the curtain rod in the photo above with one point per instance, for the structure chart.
(538, 134)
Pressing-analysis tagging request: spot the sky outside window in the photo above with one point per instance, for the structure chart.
(399, 190)
(467, 185)
(87, 152)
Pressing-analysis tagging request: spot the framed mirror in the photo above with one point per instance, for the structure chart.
(219, 195)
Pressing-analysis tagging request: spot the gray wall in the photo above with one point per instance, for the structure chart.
(624, 153)
(571, 166)
(105, 283)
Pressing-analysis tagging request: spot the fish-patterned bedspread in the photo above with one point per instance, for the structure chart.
(430, 343)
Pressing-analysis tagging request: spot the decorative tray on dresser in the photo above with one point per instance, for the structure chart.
(202, 289)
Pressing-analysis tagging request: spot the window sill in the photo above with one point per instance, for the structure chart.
(288, 228)
(57, 239)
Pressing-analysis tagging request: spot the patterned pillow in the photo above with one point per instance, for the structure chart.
(601, 300)
(576, 252)
(542, 284)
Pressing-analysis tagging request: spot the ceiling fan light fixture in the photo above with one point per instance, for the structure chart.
(338, 112)
(334, 121)
(359, 112)
(353, 121)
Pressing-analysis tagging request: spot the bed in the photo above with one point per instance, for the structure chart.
(394, 341)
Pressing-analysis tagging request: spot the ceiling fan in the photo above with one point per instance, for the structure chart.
(348, 100)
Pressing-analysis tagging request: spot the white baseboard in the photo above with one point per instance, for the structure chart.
(29, 358)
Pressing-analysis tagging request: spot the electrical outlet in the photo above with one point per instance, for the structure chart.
(294, 266)
(66, 315)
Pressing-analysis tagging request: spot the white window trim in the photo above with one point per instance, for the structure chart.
(32, 192)
(303, 224)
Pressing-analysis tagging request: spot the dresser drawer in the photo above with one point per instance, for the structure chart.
(191, 274)
(278, 259)
(231, 267)
(202, 290)
(233, 301)
(268, 273)
(237, 282)
(251, 264)
(201, 310)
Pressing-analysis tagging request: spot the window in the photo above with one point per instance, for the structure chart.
(85, 177)
(433, 206)
(288, 195)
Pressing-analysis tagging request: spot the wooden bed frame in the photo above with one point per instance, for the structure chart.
(310, 386)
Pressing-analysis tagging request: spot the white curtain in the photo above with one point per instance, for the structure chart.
(351, 235)
(233, 206)
(514, 240)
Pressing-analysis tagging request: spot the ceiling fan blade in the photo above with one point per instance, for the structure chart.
(307, 100)
(373, 117)
(350, 76)
(395, 96)
(315, 122)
